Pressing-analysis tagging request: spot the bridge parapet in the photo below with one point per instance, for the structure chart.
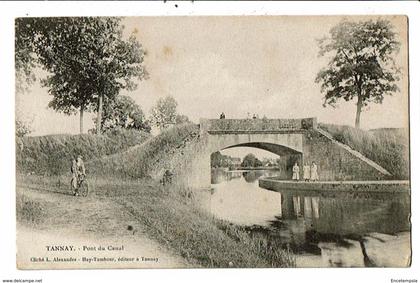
(257, 125)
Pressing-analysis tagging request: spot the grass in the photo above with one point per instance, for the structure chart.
(387, 147)
(154, 154)
(178, 223)
(28, 211)
(173, 217)
(52, 155)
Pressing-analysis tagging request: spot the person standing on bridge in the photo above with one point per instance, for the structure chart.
(296, 171)
(314, 172)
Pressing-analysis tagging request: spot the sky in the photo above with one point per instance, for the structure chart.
(240, 64)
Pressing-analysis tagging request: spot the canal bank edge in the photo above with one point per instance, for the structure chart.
(343, 186)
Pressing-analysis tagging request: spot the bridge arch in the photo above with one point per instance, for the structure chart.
(277, 143)
(278, 149)
(286, 156)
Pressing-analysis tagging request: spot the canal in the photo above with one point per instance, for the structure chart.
(336, 229)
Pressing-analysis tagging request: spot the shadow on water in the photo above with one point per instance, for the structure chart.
(307, 222)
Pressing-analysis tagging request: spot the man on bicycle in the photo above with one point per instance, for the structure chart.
(78, 173)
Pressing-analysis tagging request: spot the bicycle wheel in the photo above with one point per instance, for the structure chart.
(84, 188)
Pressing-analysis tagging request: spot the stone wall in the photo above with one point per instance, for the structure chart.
(335, 162)
(256, 125)
(286, 163)
(347, 186)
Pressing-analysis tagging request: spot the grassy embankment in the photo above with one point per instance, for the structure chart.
(155, 155)
(166, 213)
(52, 155)
(387, 147)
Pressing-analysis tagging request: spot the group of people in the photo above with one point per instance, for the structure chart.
(223, 116)
(310, 172)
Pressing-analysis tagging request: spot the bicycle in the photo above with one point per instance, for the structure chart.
(82, 185)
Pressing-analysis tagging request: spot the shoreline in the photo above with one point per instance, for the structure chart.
(387, 186)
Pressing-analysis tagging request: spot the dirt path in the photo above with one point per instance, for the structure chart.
(85, 224)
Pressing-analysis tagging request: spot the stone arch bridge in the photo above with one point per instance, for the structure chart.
(291, 139)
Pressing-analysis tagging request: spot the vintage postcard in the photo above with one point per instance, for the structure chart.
(212, 142)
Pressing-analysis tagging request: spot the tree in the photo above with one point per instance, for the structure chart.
(123, 112)
(87, 59)
(24, 57)
(22, 128)
(362, 63)
(216, 159)
(182, 119)
(164, 112)
(250, 160)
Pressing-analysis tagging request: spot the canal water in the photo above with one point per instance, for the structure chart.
(322, 229)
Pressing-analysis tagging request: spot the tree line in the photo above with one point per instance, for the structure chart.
(88, 63)
(219, 160)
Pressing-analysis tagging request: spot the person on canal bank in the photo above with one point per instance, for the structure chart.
(78, 172)
(314, 172)
(74, 175)
(222, 116)
(296, 171)
(306, 172)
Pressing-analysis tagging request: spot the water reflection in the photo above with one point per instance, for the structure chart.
(236, 197)
(220, 175)
(347, 215)
(252, 176)
(330, 225)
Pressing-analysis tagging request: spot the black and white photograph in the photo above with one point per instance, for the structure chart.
(212, 142)
(200, 141)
